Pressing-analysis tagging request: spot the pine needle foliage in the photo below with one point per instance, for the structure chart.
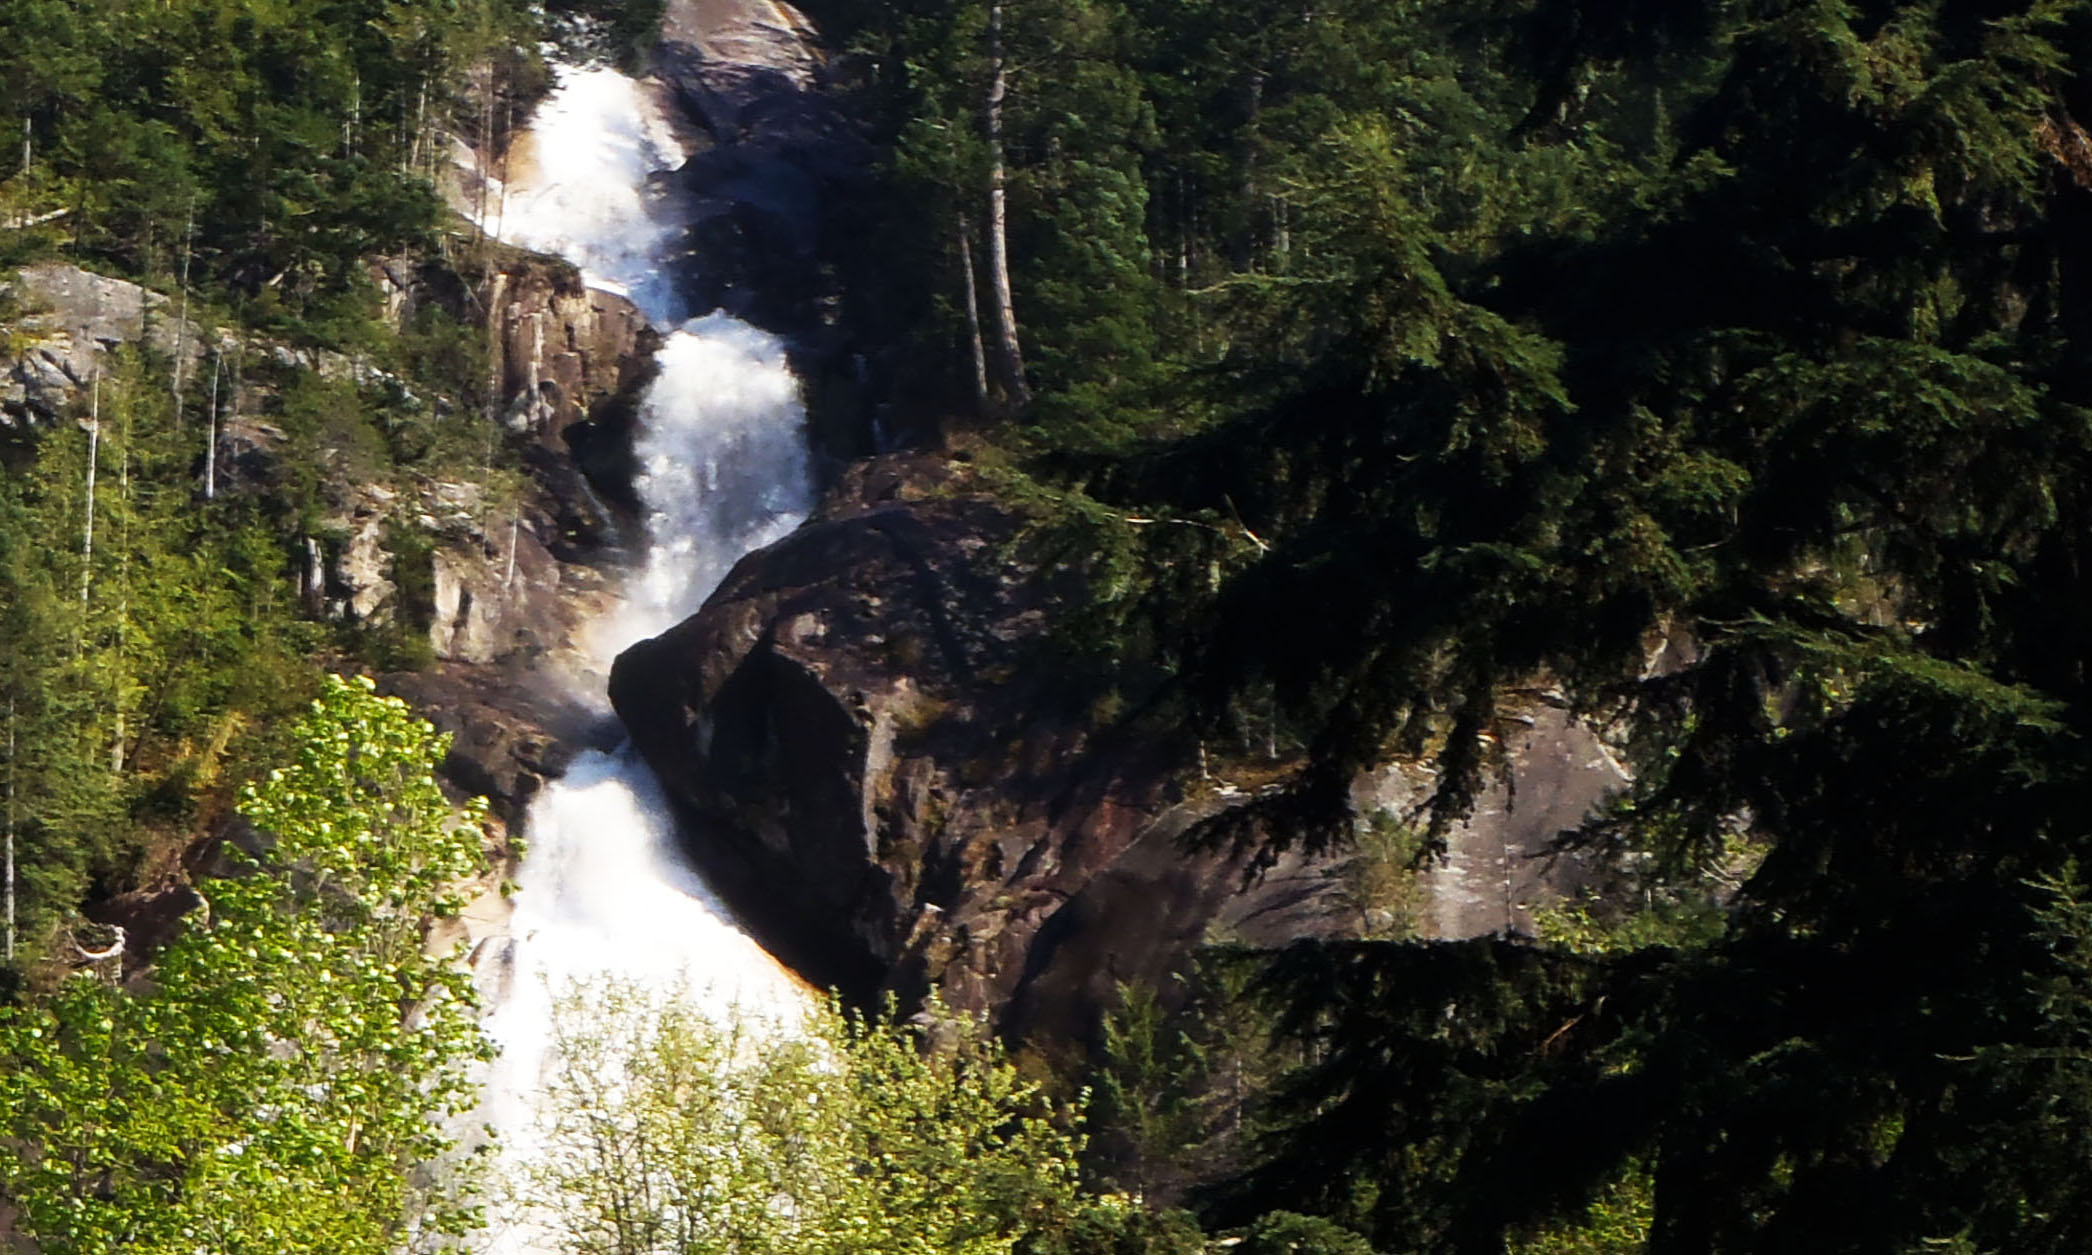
(1521, 338)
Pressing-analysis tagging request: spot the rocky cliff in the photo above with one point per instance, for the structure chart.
(887, 770)
(509, 590)
(752, 74)
(886, 766)
(63, 321)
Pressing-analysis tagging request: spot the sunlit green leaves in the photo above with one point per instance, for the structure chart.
(669, 1133)
(285, 1085)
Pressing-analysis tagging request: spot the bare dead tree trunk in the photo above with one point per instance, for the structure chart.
(421, 122)
(210, 449)
(123, 592)
(23, 213)
(497, 345)
(10, 955)
(352, 125)
(515, 533)
(1009, 354)
(973, 317)
(508, 129)
(94, 451)
(479, 154)
(181, 326)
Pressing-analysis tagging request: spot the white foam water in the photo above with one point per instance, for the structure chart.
(581, 185)
(604, 893)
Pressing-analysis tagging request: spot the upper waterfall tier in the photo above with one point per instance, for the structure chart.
(582, 182)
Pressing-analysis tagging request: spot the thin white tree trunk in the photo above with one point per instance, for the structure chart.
(973, 317)
(22, 217)
(123, 592)
(94, 452)
(421, 121)
(480, 151)
(353, 124)
(1008, 353)
(181, 326)
(10, 828)
(210, 450)
(515, 530)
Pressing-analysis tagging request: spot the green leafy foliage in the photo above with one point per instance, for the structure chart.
(1181, 1083)
(131, 677)
(668, 1131)
(276, 146)
(285, 1084)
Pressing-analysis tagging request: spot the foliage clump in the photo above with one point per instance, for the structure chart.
(1720, 365)
(286, 1082)
(669, 1130)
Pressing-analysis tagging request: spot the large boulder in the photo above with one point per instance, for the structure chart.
(888, 773)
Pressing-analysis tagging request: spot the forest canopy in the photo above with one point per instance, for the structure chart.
(1724, 368)
(1514, 345)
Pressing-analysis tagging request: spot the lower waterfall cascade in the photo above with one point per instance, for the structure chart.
(604, 893)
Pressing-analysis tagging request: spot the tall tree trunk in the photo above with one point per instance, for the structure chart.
(1009, 356)
(515, 533)
(181, 326)
(1246, 243)
(210, 448)
(94, 452)
(973, 317)
(481, 168)
(123, 591)
(424, 141)
(10, 955)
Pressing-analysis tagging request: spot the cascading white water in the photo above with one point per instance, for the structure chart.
(604, 892)
(580, 185)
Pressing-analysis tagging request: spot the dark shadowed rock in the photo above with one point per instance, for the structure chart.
(753, 74)
(512, 727)
(887, 772)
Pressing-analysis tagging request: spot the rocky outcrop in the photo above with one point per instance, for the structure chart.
(562, 349)
(1501, 863)
(512, 727)
(888, 773)
(753, 74)
(885, 767)
(65, 319)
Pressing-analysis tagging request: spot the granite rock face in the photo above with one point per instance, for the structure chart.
(885, 771)
(563, 349)
(68, 319)
(754, 77)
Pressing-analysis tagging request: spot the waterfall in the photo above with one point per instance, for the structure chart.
(604, 891)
